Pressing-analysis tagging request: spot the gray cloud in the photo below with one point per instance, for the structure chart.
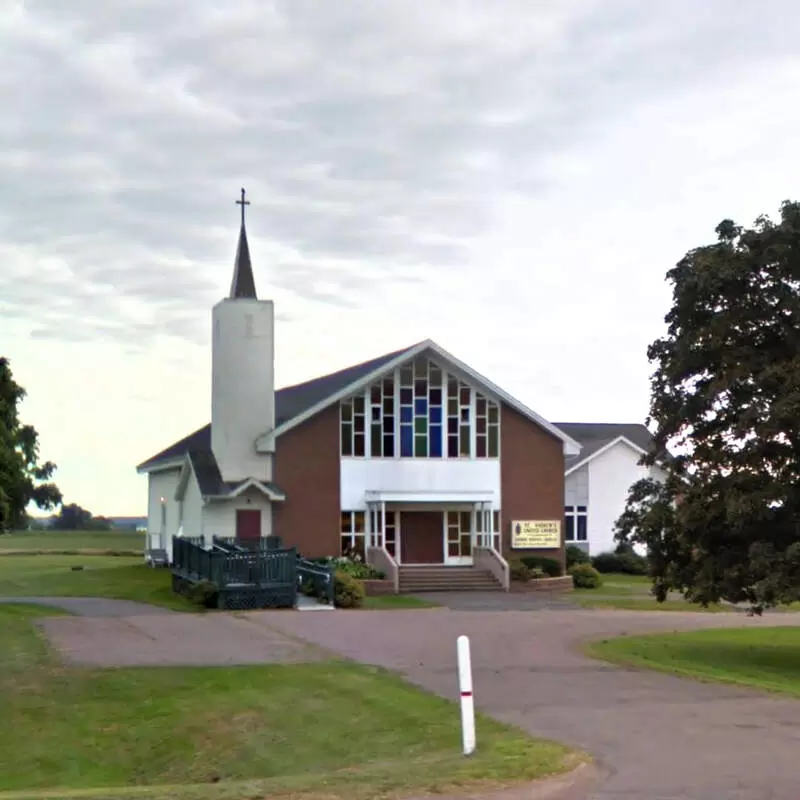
(373, 137)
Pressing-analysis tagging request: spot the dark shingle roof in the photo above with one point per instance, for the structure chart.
(290, 402)
(593, 436)
(243, 283)
(209, 479)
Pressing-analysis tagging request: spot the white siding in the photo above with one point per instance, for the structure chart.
(219, 518)
(611, 475)
(242, 392)
(192, 509)
(162, 484)
(360, 475)
(576, 487)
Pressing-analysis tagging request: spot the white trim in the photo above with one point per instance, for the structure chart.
(605, 448)
(187, 471)
(468, 497)
(248, 484)
(571, 447)
(162, 466)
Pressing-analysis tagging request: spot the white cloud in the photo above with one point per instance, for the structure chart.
(510, 179)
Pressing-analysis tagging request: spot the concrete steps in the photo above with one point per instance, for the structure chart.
(414, 579)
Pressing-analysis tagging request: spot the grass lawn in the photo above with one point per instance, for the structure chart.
(120, 577)
(332, 730)
(72, 540)
(765, 658)
(399, 601)
(632, 593)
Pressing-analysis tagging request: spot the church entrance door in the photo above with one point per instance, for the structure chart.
(248, 526)
(422, 537)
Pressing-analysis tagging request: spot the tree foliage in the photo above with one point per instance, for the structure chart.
(23, 479)
(72, 517)
(725, 405)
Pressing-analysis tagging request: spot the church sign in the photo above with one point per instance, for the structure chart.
(535, 534)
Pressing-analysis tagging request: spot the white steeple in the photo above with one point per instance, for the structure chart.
(242, 368)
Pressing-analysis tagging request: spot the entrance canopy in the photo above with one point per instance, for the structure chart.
(444, 497)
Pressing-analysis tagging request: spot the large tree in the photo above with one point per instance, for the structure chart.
(725, 408)
(23, 478)
(72, 517)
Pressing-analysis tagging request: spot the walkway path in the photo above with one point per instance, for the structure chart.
(91, 606)
(660, 737)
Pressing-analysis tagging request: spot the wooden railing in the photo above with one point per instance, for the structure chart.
(264, 543)
(320, 575)
(260, 567)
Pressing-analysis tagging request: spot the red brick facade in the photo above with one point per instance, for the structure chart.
(307, 469)
(531, 478)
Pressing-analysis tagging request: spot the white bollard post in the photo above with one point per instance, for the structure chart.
(467, 701)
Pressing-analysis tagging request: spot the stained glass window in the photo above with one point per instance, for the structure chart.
(420, 411)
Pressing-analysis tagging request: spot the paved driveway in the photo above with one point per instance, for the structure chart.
(659, 737)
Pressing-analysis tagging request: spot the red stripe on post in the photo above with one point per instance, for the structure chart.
(466, 694)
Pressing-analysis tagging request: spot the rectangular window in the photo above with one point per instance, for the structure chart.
(576, 520)
(353, 534)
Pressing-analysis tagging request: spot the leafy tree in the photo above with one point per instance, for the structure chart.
(23, 479)
(72, 518)
(725, 399)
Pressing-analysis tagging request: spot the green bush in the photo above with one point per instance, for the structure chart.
(348, 592)
(537, 573)
(203, 593)
(625, 560)
(550, 566)
(576, 556)
(357, 568)
(585, 576)
(606, 562)
(519, 572)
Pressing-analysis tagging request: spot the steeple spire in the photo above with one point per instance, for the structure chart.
(243, 284)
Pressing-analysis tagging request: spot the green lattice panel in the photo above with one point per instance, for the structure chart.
(248, 599)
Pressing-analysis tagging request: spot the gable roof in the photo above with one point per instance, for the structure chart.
(210, 483)
(290, 402)
(295, 404)
(596, 437)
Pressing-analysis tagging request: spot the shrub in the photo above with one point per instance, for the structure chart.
(203, 593)
(519, 571)
(585, 576)
(606, 562)
(537, 573)
(354, 566)
(576, 556)
(625, 560)
(348, 592)
(550, 566)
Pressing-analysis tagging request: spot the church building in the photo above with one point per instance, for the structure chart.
(409, 460)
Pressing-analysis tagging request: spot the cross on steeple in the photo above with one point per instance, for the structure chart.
(243, 203)
(243, 284)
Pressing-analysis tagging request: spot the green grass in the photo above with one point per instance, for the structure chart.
(648, 604)
(632, 593)
(332, 729)
(72, 541)
(765, 658)
(120, 577)
(399, 601)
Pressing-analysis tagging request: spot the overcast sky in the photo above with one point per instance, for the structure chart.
(511, 179)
